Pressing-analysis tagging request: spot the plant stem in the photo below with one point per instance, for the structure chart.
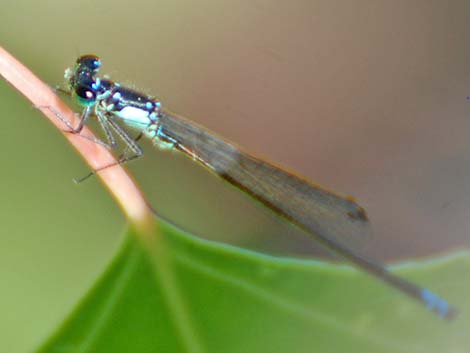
(118, 182)
(116, 179)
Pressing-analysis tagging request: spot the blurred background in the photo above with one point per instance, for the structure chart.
(368, 98)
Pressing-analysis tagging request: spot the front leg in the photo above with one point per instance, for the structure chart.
(83, 120)
(76, 130)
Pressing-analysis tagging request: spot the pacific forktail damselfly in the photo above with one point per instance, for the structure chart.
(325, 216)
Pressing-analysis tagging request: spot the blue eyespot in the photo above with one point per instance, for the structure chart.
(96, 85)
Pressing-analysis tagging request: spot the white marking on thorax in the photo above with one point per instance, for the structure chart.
(134, 116)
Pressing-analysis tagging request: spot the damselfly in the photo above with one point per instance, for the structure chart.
(325, 216)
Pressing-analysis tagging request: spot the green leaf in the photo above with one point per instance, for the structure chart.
(233, 300)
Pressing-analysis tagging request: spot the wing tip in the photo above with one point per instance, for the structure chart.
(357, 212)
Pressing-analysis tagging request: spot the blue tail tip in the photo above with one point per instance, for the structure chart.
(438, 305)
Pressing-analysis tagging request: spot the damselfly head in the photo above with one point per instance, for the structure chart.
(81, 79)
(86, 68)
(89, 63)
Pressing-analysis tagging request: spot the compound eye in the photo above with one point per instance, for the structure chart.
(86, 96)
(91, 62)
